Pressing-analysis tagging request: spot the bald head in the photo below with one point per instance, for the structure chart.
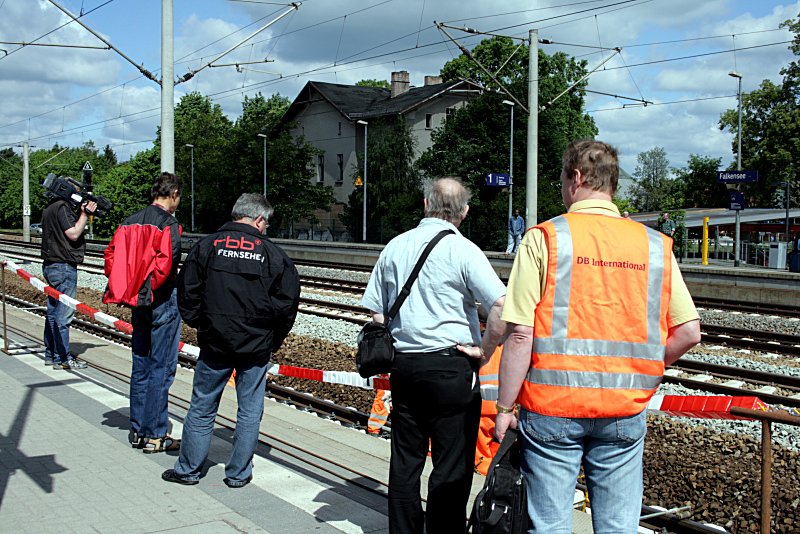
(448, 199)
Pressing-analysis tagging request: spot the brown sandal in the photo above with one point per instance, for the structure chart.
(165, 444)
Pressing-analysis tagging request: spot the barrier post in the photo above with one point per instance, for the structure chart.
(5, 324)
(705, 240)
(766, 418)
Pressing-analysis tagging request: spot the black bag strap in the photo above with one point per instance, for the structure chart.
(505, 446)
(413, 276)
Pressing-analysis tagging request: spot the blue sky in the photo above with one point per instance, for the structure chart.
(71, 95)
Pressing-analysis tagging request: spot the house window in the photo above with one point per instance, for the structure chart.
(340, 128)
(448, 112)
(320, 169)
(340, 162)
(428, 121)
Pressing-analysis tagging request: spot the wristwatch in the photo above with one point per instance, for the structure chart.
(503, 409)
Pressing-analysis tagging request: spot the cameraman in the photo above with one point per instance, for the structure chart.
(63, 246)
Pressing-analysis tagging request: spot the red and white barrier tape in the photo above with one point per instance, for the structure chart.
(80, 307)
(703, 407)
(709, 407)
(331, 377)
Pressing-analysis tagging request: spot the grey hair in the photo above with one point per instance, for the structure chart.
(447, 198)
(251, 206)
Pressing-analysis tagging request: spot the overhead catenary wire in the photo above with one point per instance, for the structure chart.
(467, 53)
(146, 73)
(254, 86)
(53, 30)
(342, 62)
(327, 68)
(56, 45)
(189, 75)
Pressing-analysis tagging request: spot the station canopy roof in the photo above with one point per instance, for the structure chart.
(721, 216)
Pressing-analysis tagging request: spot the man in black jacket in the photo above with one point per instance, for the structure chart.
(241, 292)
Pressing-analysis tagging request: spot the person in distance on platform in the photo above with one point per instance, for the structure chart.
(63, 247)
(435, 391)
(516, 227)
(598, 308)
(141, 264)
(241, 292)
(667, 225)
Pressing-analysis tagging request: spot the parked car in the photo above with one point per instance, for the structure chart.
(36, 228)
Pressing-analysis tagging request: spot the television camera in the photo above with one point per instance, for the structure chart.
(76, 193)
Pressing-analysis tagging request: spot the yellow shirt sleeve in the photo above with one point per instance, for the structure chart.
(681, 306)
(529, 273)
(527, 279)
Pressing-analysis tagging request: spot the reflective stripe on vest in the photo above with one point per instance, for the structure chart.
(379, 413)
(569, 366)
(489, 378)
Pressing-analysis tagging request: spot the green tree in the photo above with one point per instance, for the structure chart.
(393, 191)
(259, 116)
(291, 190)
(200, 123)
(475, 140)
(371, 82)
(289, 175)
(58, 160)
(653, 189)
(770, 130)
(698, 183)
(128, 186)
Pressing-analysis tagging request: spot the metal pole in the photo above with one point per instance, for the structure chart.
(26, 194)
(766, 475)
(364, 213)
(705, 240)
(265, 166)
(737, 243)
(511, 165)
(192, 188)
(531, 187)
(167, 90)
(5, 323)
(788, 239)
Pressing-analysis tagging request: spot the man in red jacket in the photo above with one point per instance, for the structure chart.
(141, 264)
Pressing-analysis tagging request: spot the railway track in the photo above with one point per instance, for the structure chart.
(745, 307)
(94, 251)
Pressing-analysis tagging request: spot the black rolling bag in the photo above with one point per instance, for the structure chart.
(501, 507)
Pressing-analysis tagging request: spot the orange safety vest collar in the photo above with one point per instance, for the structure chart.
(600, 329)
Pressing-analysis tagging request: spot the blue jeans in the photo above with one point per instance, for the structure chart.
(210, 376)
(64, 278)
(513, 242)
(154, 345)
(611, 450)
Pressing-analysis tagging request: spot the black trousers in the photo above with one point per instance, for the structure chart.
(436, 398)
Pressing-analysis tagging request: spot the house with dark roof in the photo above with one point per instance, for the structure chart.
(328, 115)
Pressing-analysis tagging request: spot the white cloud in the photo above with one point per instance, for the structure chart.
(305, 44)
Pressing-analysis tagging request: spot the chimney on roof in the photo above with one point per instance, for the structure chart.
(433, 80)
(400, 83)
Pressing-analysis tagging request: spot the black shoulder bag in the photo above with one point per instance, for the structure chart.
(501, 507)
(375, 342)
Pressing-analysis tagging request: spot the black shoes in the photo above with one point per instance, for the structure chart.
(235, 483)
(171, 476)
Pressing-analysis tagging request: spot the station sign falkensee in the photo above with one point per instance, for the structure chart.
(736, 177)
